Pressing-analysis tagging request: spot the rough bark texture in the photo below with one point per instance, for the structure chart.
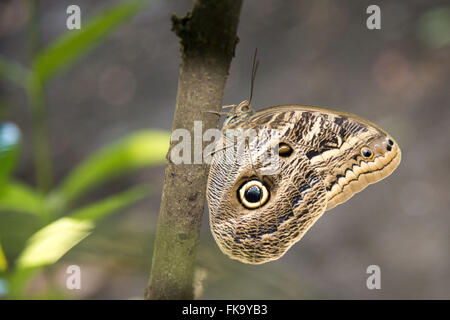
(208, 40)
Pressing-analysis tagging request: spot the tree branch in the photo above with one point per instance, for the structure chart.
(208, 40)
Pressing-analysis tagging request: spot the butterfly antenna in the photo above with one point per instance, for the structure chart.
(254, 69)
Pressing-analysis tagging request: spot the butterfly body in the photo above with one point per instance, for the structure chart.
(324, 158)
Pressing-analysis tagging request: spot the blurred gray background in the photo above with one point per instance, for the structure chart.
(311, 52)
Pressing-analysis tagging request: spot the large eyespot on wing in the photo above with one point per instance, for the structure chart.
(253, 194)
(266, 230)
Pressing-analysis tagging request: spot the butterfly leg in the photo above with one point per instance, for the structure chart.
(229, 106)
(215, 112)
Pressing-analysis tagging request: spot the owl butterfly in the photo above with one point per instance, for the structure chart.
(324, 158)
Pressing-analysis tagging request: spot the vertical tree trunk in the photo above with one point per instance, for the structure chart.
(208, 40)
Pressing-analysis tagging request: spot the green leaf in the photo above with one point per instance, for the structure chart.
(17, 280)
(18, 197)
(53, 241)
(3, 261)
(50, 243)
(102, 208)
(9, 149)
(141, 149)
(72, 45)
(434, 26)
(13, 71)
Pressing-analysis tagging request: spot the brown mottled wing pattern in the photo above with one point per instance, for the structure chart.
(326, 168)
(297, 200)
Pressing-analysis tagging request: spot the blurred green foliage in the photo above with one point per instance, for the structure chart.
(9, 148)
(71, 46)
(434, 27)
(60, 226)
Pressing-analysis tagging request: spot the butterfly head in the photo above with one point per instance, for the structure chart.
(238, 113)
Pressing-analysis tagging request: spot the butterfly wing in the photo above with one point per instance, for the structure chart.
(297, 198)
(334, 142)
(327, 166)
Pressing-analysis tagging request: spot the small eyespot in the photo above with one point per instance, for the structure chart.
(390, 142)
(388, 148)
(284, 150)
(253, 194)
(366, 152)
